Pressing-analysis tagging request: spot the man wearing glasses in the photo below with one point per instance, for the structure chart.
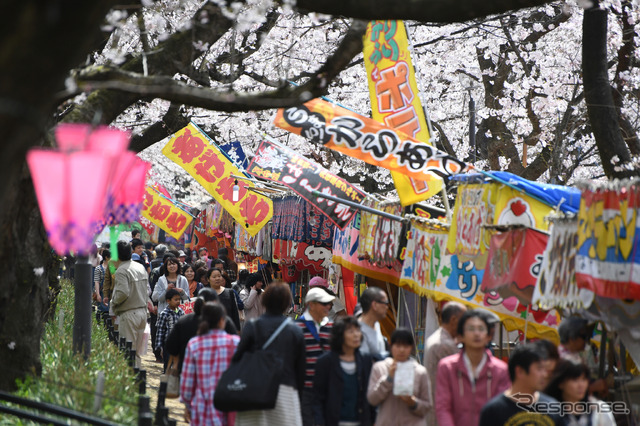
(374, 302)
(316, 327)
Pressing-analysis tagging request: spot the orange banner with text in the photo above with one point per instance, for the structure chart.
(192, 150)
(163, 213)
(394, 97)
(364, 138)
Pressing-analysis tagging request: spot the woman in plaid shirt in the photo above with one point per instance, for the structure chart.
(208, 355)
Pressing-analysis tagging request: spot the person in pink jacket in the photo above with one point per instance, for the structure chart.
(469, 379)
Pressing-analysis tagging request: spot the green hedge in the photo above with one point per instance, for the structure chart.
(69, 380)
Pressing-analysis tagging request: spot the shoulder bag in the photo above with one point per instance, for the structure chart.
(251, 383)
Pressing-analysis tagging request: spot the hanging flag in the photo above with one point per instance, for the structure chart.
(608, 259)
(514, 262)
(279, 164)
(235, 152)
(394, 97)
(366, 139)
(556, 286)
(192, 150)
(164, 213)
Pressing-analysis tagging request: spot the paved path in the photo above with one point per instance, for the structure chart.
(154, 371)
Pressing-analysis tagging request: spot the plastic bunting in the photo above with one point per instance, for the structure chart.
(74, 183)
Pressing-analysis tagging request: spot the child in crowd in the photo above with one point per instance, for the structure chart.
(166, 320)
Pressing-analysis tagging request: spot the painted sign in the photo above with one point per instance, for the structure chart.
(608, 258)
(345, 253)
(556, 286)
(192, 150)
(164, 213)
(364, 138)
(303, 176)
(429, 270)
(514, 262)
(394, 97)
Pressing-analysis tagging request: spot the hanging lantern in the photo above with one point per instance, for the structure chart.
(90, 180)
(70, 188)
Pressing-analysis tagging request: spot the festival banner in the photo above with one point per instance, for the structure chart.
(345, 253)
(235, 152)
(394, 97)
(164, 213)
(344, 131)
(191, 149)
(514, 262)
(556, 286)
(474, 208)
(279, 164)
(608, 258)
(429, 270)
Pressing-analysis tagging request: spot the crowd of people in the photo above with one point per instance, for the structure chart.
(339, 369)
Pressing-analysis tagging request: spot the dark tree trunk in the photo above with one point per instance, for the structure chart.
(40, 41)
(597, 89)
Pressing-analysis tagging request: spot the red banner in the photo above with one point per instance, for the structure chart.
(514, 263)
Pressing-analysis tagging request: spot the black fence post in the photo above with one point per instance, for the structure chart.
(145, 418)
(142, 377)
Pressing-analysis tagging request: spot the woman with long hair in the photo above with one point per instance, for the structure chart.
(194, 286)
(289, 346)
(570, 384)
(341, 379)
(207, 356)
(226, 295)
(170, 279)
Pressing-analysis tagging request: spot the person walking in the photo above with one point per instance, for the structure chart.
(441, 344)
(207, 356)
(316, 327)
(130, 298)
(341, 379)
(289, 346)
(226, 295)
(404, 409)
(170, 279)
(467, 380)
(374, 303)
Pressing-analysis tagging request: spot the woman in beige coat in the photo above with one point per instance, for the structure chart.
(405, 410)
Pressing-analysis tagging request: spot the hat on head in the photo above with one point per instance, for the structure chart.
(318, 295)
(181, 254)
(318, 282)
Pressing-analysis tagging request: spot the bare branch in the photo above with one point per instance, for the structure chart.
(174, 91)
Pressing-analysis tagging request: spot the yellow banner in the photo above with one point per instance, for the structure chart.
(394, 97)
(191, 150)
(166, 215)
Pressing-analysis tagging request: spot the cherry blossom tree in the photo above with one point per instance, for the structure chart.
(544, 111)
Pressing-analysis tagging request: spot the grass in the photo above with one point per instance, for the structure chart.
(68, 380)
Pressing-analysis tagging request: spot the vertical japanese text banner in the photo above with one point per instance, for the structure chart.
(394, 97)
(191, 150)
(166, 215)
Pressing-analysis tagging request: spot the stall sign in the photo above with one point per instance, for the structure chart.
(345, 253)
(556, 286)
(164, 213)
(303, 176)
(364, 138)
(394, 97)
(434, 272)
(192, 150)
(608, 257)
(514, 263)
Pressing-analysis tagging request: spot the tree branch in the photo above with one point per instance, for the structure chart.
(175, 91)
(444, 11)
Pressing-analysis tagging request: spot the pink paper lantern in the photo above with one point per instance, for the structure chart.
(70, 188)
(126, 202)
